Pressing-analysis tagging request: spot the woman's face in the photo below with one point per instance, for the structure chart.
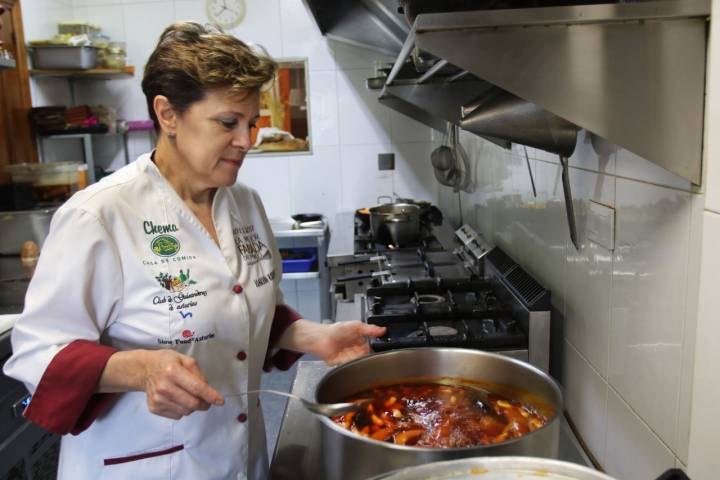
(213, 136)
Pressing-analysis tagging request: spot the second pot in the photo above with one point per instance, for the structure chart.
(396, 224)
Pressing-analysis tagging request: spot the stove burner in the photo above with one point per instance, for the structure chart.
(430, 299)
(442, 331)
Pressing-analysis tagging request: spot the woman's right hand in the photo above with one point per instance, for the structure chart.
(175, 386)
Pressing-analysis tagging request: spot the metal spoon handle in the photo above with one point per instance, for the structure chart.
(275, 392)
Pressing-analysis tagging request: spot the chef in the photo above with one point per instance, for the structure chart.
(156, 300)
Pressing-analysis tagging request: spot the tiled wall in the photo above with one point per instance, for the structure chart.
(349, 127)
(704, 459)
(628, 311)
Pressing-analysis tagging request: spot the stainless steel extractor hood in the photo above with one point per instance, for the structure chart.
(633, 73)
(374, 24)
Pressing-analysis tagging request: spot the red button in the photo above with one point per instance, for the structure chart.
(242, 418)
(241, 356)
(237, 289)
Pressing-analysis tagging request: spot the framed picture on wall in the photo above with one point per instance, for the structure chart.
(284, 123)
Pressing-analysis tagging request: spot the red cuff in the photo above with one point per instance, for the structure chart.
(65, 400)
(283, 359)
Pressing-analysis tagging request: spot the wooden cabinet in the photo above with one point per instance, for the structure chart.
(17, 144)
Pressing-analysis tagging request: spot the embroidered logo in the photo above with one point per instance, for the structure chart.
(165, 245)
(249, 245)
(175, 283)
(152, 229)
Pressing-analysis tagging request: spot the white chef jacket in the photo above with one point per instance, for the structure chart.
(128, 266)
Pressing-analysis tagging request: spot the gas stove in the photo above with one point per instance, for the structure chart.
(451, 289)
(444, 313)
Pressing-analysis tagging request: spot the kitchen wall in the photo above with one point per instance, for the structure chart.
(348, 126)
(638, 318)
(704, 460)
(40, 19)
(626, 309)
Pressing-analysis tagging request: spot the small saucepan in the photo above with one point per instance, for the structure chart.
(396, 224)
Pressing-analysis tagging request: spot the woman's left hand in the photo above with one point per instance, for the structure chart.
(344, 341)
(335, 343)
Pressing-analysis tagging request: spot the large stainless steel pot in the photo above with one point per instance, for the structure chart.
(497, 468)
(396, 223)
(350, 456)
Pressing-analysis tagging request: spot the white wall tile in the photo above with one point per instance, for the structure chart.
(92, 3)
(695, 261)
(361, 181)
(585, 400)
(587, 322)
(270, 176)
(312, 181)
(649, 294)
(194, 10)
(40, 18)
(633, 450)
(301, 36)
(261, 25)
(704, 461)
(323, 105)
(105, 16)
(405, 129)
(413, 178)
(548, 262)
(362, 119)
(144, 22)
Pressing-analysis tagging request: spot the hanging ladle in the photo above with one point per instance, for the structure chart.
(500, 114)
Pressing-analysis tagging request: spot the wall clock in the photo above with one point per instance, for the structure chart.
(228, 14)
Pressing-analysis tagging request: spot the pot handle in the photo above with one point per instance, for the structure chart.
(384, 196)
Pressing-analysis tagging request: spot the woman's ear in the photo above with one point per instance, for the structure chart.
(166, 115)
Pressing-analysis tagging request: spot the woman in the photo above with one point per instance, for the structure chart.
(155, 302)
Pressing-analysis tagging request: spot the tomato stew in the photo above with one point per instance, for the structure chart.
(440, 416)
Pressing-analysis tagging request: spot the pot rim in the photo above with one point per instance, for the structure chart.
(412, 208)
(499, 464)
(556, 390)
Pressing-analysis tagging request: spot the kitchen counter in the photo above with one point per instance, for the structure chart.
(283, 228)
(298, 455)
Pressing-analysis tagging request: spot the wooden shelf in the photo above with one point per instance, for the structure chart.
(92, 74)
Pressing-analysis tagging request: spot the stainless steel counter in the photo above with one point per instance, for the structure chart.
(298, 454)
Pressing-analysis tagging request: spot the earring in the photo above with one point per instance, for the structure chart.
(171, 135)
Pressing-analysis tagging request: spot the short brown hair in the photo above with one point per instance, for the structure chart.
(190, 59)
